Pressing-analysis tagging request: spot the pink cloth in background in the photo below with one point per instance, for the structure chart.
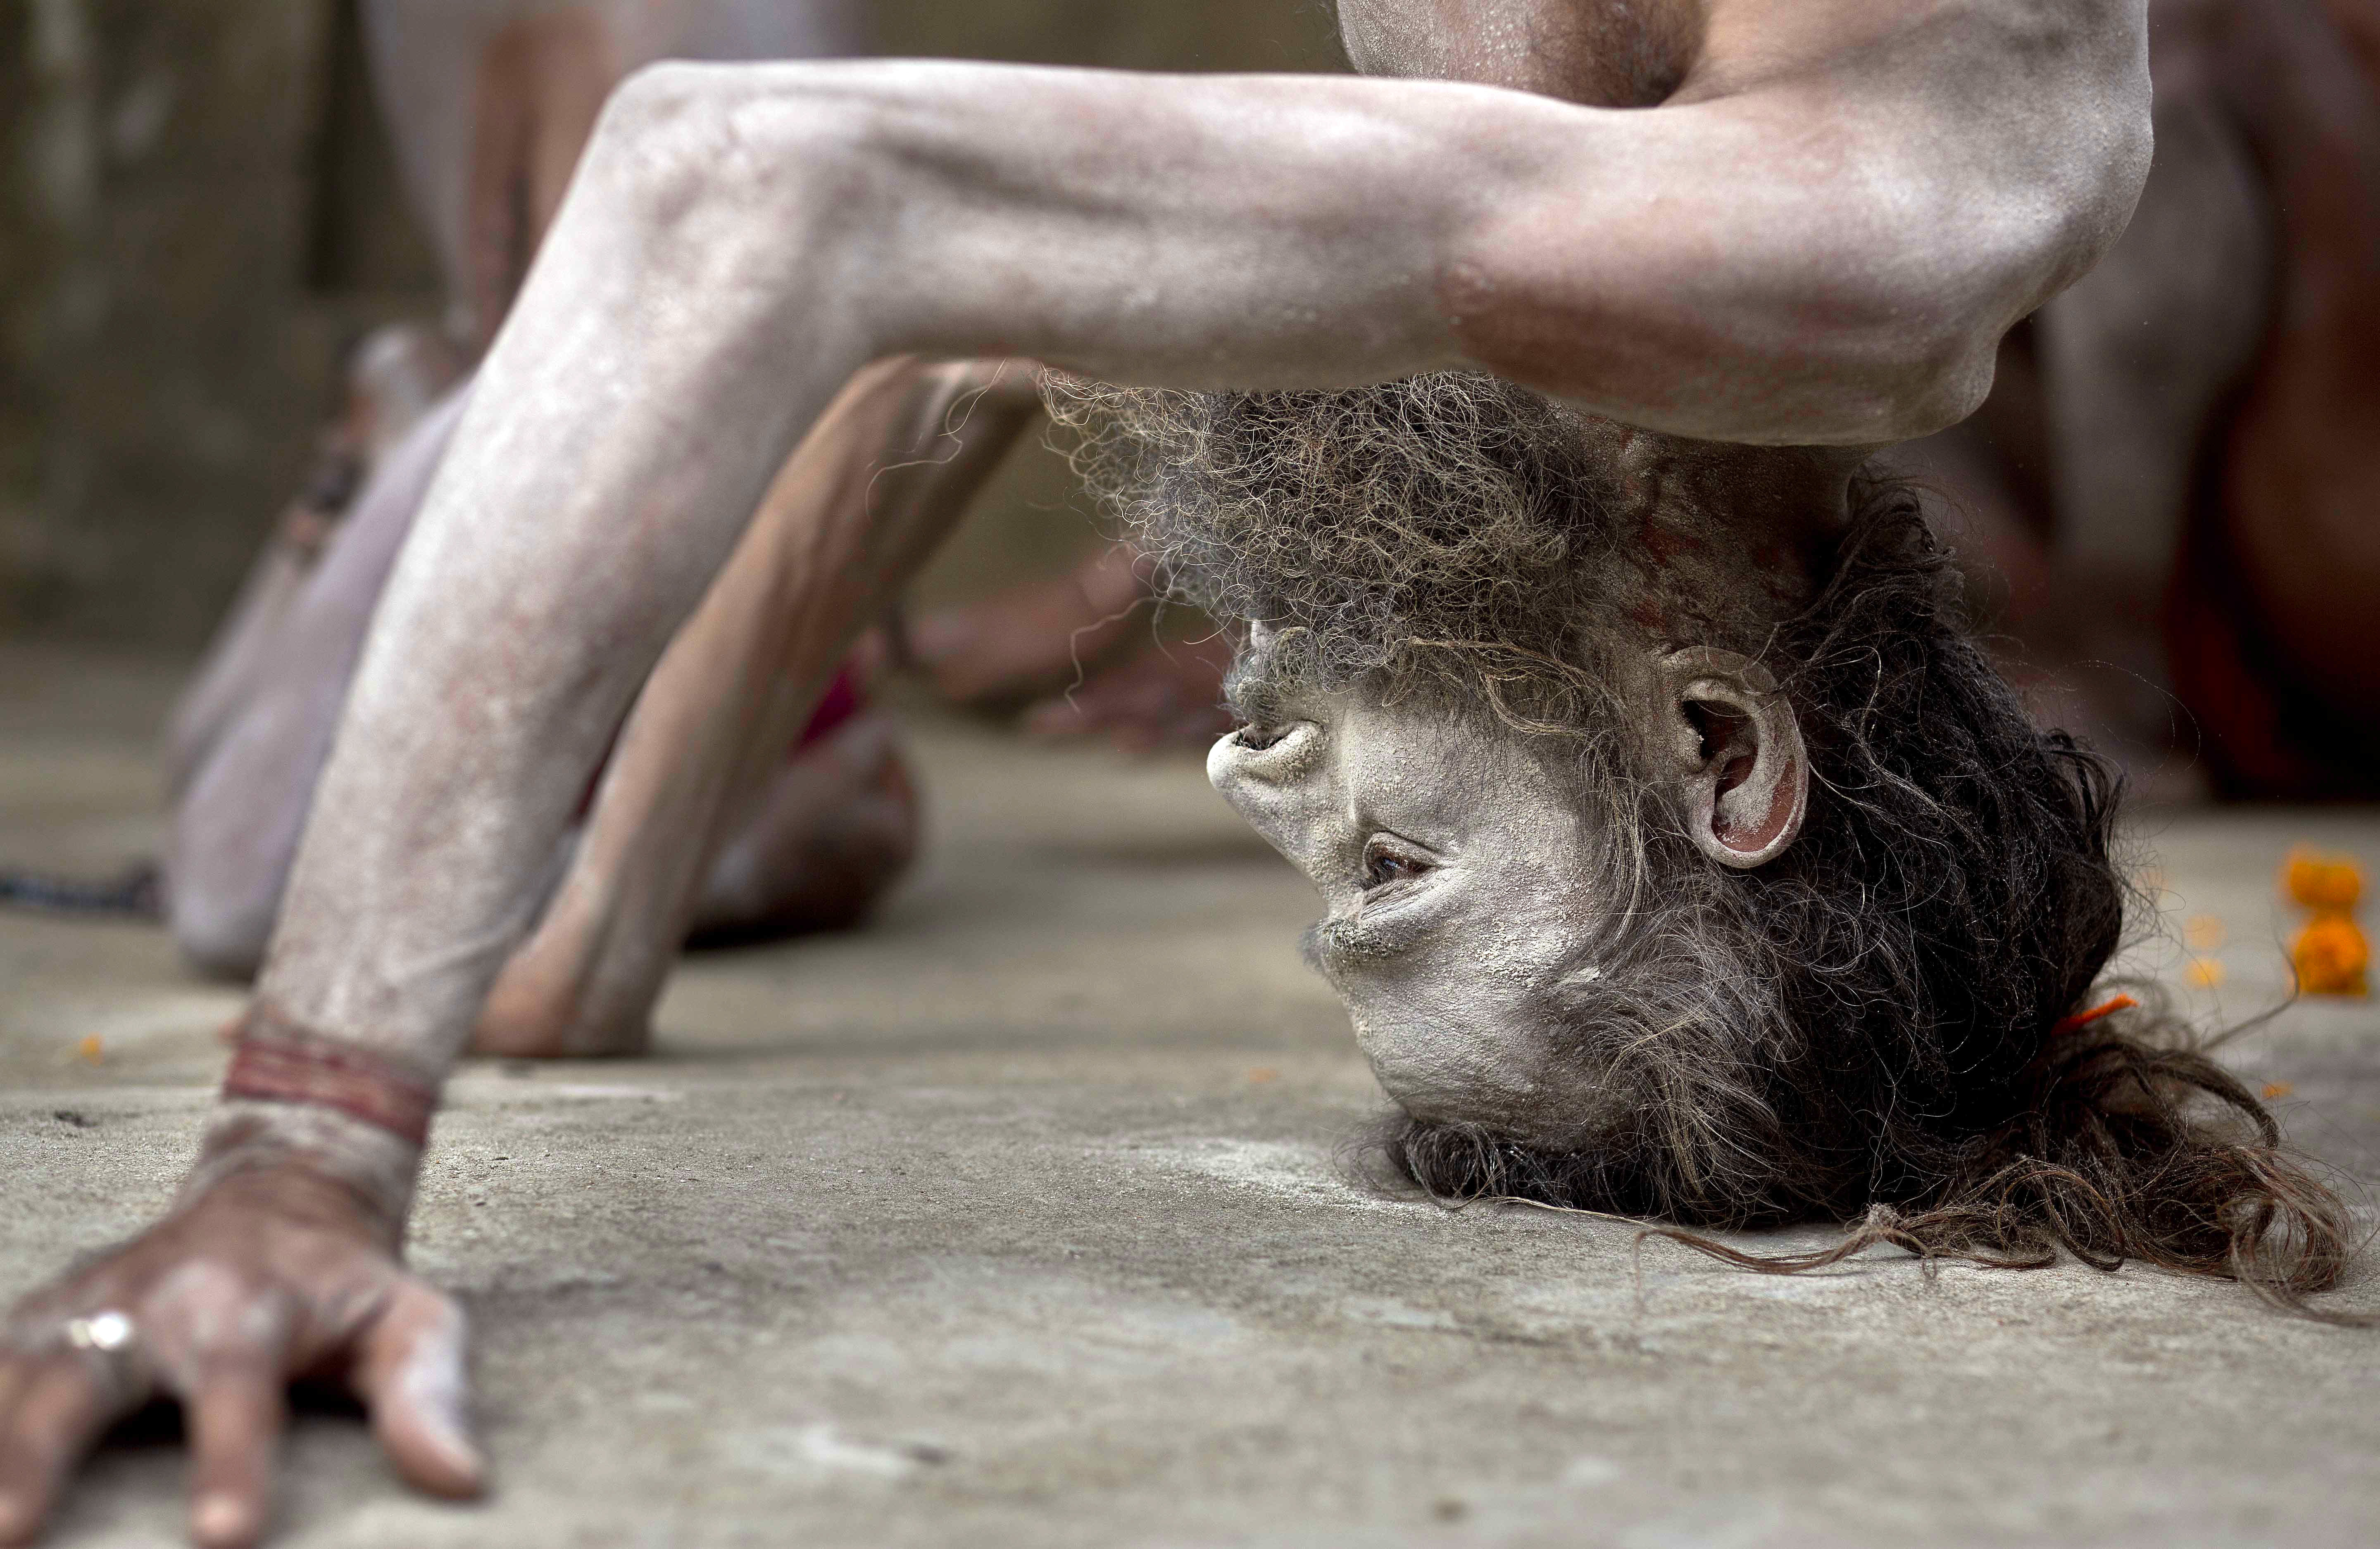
(839, 703)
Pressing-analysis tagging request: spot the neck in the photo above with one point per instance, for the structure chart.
(1731, 539)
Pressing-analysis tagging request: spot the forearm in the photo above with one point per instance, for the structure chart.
(1787, 260)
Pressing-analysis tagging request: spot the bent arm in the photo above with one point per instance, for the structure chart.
(1818, 238)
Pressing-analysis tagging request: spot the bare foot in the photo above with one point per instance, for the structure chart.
(1169, 695)
(832, 833)
(1032, 639)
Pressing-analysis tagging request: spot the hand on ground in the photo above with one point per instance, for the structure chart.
(274, 1273)
(826, 839)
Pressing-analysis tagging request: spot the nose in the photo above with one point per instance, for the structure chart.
(1275, 777)
(1276, 756)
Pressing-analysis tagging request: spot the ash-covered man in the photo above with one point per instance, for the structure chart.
(1679, 854)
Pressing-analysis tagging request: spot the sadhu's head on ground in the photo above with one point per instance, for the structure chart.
(1683, 854)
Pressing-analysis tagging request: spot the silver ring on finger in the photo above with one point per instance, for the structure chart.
(109, 1340)
(108, 1332)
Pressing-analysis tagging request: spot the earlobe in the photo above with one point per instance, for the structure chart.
(1736, 747)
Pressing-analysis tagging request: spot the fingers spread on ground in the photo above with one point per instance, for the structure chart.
(60, 1406)
(235, 1414)
(411, 1371)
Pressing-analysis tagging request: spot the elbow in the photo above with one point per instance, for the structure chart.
(647, 143)
(727, 172)
(1898, 335)
(650, 165)
(1940, 392)
(1898, 381)
(1819, 347)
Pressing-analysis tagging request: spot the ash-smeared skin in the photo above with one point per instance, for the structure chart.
(431, 61)
(1205, 230)
(892, 466)
(1462, 882)
(1816, 240)
(1469, 881)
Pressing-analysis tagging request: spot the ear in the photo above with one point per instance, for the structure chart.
(1735, 748)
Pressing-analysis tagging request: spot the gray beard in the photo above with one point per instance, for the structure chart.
(1424, 532)
(1453, 533)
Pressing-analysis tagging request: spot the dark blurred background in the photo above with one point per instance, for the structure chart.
(199, 213)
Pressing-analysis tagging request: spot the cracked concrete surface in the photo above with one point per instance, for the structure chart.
(1024, 1218)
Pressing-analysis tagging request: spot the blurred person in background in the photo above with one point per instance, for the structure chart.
(2175, 475)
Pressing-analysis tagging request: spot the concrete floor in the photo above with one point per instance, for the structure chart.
(1022, 1219)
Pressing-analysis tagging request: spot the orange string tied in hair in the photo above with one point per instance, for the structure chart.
(2080, 1020)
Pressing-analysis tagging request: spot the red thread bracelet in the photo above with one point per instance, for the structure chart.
(279, 1060)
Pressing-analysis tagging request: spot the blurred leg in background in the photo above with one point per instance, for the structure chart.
(1078, 655)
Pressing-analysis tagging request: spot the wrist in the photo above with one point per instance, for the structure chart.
(278, 1059)
(342, 1110)
(369, 1166)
